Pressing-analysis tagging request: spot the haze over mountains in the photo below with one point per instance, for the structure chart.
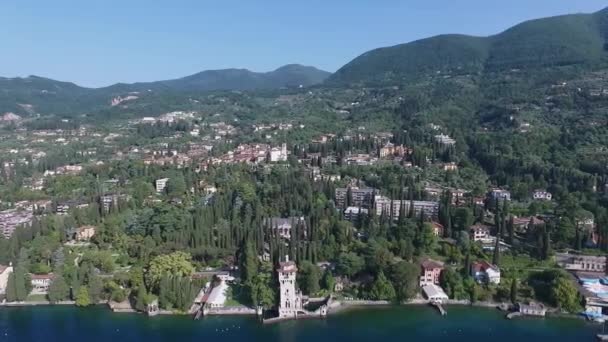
(569, 40)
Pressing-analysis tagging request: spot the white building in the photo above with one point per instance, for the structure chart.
(434, 293)
(501, 195)
(41, 283)
(542, 195)
(217, 296)
(388, 207)
(290, 298)
(484, 272)
(479, 232)
(5, 271)
(284, 226)
(278, 154)
(353, 213)
(445, 139)
(161, 184)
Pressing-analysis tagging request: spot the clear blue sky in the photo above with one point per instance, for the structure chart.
(100, 42)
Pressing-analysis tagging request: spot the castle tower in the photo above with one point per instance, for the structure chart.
(290, 298)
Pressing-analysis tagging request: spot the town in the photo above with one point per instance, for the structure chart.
(193, 214)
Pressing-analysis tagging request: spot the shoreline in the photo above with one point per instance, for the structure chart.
(336, 308)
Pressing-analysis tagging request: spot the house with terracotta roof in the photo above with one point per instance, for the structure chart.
(438, 229)
(485, 273)
(523, 224)
(430, 272)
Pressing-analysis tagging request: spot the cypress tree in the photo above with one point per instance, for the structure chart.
(514, 291)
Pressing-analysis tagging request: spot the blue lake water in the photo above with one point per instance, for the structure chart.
(409, 323)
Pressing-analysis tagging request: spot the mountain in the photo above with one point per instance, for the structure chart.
(578, 39)
(47, 96)
(292, 75)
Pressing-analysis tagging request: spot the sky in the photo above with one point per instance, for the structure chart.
(100, 42)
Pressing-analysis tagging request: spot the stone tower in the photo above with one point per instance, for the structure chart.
(291, 299)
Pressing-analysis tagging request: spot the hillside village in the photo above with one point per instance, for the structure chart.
(432, 228)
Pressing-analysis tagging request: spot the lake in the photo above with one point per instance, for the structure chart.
(411, 323)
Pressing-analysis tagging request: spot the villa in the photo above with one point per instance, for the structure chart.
(486, 273)
(41, 283)
(430, 272)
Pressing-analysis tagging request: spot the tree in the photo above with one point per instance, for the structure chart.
(382, 289)
(404, 276)
(95, 288)
(426, 238)
(309, 278)
(140, 300)
(565, 295)
(328, 281)
(82, 297)
(496, 256)
(11, 290)
(176, 186)
(22, 284)
(175, 264)
(249, 264)
(349, 264)
(58, 290)
(377, 257)
(261, 290)
(514, 291)
(451, 282)
(471, 288)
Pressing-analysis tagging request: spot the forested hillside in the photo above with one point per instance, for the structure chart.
(578, 39)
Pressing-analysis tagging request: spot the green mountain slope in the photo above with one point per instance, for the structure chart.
(48, 96)
(555, 41)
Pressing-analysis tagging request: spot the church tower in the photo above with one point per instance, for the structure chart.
(290, 298)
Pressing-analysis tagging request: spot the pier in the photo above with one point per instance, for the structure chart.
(439, 307)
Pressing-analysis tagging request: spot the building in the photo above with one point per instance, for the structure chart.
(290, 301)
(390, 149)
(500, 195)
(581, 263)
(485, 273)
(438, 229)
(217, 297)
(41, 283)
(359, 197)
(523, 224)
(479, 232)
(542, 195)
(84, 233)
(5, 271)
(284, 226)
(430, 272)
(64, 207)
(388, 207)
(13, 218)
(278, 154)
(434, 293)
(161, 184)
(450, 166)
(444, 139)
(532, 309)
(353, 213)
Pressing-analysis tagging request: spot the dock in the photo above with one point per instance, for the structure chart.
(439, 307)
